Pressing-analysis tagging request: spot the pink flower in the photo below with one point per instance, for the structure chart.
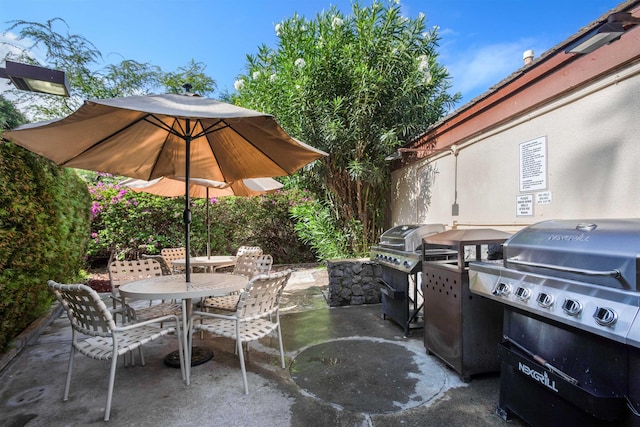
(95, 208)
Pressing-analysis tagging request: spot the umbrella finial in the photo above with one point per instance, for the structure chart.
(187, 87)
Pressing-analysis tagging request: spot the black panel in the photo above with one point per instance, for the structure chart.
(397, 303)
(601, 368)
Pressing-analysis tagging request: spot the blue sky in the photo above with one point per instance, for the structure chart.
(482, 41)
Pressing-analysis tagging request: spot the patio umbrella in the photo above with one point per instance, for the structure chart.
(203, 188)
(200, 188)
(148, 137)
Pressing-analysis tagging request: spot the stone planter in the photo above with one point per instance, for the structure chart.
(353, 282)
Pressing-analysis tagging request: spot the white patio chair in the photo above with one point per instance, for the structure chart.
(257, 315)
(90, 316)
(249, 265)
(122, 272)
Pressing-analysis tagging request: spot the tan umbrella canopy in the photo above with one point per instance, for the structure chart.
(200, 188)
(145, 136)
(148, 137)
(203, 188)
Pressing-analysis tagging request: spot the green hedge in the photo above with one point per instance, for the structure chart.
(130, 223)
(44, 231)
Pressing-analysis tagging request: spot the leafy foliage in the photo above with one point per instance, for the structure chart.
(315, 226)
(9, 116)
(44, 226)
(357, 87)
(130, 223)
(88, 77)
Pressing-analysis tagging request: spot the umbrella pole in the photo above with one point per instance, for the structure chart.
(208, 229)
(187, 202)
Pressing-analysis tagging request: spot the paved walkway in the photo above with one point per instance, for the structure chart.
(345, 367)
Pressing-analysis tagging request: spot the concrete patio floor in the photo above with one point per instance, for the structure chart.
(346, 366)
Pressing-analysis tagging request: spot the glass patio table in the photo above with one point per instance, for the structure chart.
(175, 287)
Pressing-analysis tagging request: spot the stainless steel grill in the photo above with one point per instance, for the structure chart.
(399, 254)
(572, 327)
(400, 247)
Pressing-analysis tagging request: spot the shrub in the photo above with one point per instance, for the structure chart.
(315, 226)
(132, 223)
(44, 226)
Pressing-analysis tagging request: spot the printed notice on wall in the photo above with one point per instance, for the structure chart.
(544, 198)
(533, 164)
(524, 205)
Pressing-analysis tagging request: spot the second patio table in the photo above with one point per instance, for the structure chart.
(175, 287)
(209, 262)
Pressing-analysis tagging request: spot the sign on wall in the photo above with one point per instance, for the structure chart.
(533, 165)
(524, 205)
(544, 198)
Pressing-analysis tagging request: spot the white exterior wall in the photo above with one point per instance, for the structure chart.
(592, 162)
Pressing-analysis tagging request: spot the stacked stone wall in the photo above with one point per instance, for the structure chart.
(354, 282)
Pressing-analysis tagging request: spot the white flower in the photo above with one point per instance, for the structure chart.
(300, 63)
(397, 1)
(303, 28)
(421, 15)
(423, 64)
(427, 77)
(255, 75)
(278, 27)
(272, 77)
(238, 84)
(423, 67)
(336, 22)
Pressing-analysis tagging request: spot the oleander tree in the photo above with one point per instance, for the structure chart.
(356, 86)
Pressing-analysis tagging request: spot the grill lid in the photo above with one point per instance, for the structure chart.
(600, 251)
(408, 237)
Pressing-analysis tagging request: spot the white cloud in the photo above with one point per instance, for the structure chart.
(9, 43)
(476, 69)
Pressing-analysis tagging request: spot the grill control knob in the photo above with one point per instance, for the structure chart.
(523, 293)
(572, 307)
(605, 316)
(544, 300)
(502, 289)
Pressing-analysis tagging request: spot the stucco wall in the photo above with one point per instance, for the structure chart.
(592, 163)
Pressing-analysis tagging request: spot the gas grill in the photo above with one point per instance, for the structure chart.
(399, 254)
(399, 247)
(571, 333)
